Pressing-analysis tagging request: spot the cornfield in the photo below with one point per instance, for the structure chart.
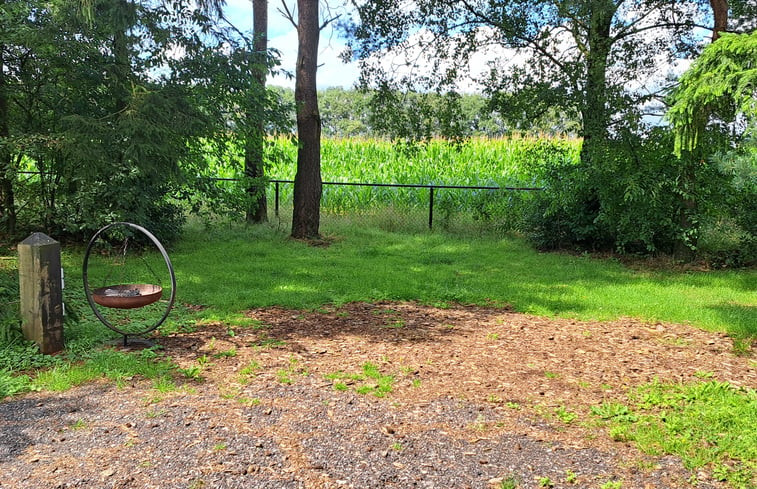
(476, 163)
(512, 162)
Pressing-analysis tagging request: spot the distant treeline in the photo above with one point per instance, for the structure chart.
(421, 116)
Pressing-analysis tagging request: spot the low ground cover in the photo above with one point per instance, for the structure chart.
(255, 306)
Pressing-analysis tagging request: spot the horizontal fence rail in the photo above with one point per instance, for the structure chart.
(431, 189)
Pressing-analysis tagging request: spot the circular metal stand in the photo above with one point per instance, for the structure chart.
(127, 296)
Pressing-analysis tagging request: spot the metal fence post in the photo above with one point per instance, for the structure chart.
(430, 207)
(277, 199)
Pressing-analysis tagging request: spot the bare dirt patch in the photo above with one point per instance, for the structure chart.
(368, 396)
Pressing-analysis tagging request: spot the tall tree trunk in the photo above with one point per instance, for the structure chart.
(720, 16)
(7, 200)
(594, 111)
(257, 211)
(307, 181)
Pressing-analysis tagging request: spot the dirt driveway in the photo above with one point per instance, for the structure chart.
(368, 396)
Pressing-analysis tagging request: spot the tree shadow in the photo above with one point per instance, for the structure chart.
(742, 318)
(35, 419)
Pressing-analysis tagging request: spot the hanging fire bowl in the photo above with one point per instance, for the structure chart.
(127, 296)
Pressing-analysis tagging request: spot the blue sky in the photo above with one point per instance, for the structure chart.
(282, 36)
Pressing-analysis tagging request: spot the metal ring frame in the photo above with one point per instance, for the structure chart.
(88, 292)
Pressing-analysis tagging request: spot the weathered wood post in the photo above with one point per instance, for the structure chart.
(41, 291)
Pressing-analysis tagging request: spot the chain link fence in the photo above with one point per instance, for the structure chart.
(407, 207)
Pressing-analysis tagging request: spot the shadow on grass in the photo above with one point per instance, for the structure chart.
(742, 318)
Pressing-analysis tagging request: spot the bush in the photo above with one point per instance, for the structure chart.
(729, 237)
(638, 198)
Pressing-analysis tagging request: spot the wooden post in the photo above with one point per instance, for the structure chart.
(41, 292)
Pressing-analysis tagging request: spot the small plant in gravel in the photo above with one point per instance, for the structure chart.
(612, 485)
(287, 375)
(397, 324)
(284, 376)
(252, 401)
(192, 372)
(248, 371)
(79, 424)
(266, 342)
(510, 482)
(155, 413)
(742, 347)
(545, 482)
(614, 411)
(570, 477)
(564, 415)
(480, 423)
(231, 352)
(164, 384)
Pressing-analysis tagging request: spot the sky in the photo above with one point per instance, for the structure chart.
(282, 36)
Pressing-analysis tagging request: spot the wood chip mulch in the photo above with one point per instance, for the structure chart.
(284, 402)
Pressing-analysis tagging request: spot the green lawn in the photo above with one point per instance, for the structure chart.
(232, 270)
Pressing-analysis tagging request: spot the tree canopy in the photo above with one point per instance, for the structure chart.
(721, 84)
(598, 60)
(114, 110)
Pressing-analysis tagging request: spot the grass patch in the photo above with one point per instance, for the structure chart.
(370, 380)
(293, 370)
(710, 425)
(363, 265)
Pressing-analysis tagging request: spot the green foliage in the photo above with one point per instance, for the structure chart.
(10, 322)
(641, 199)
(721, 83)
(729, 237)
(534, 77)
(506, 162)
(12, 384)
(118, 134)
(709, 425)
